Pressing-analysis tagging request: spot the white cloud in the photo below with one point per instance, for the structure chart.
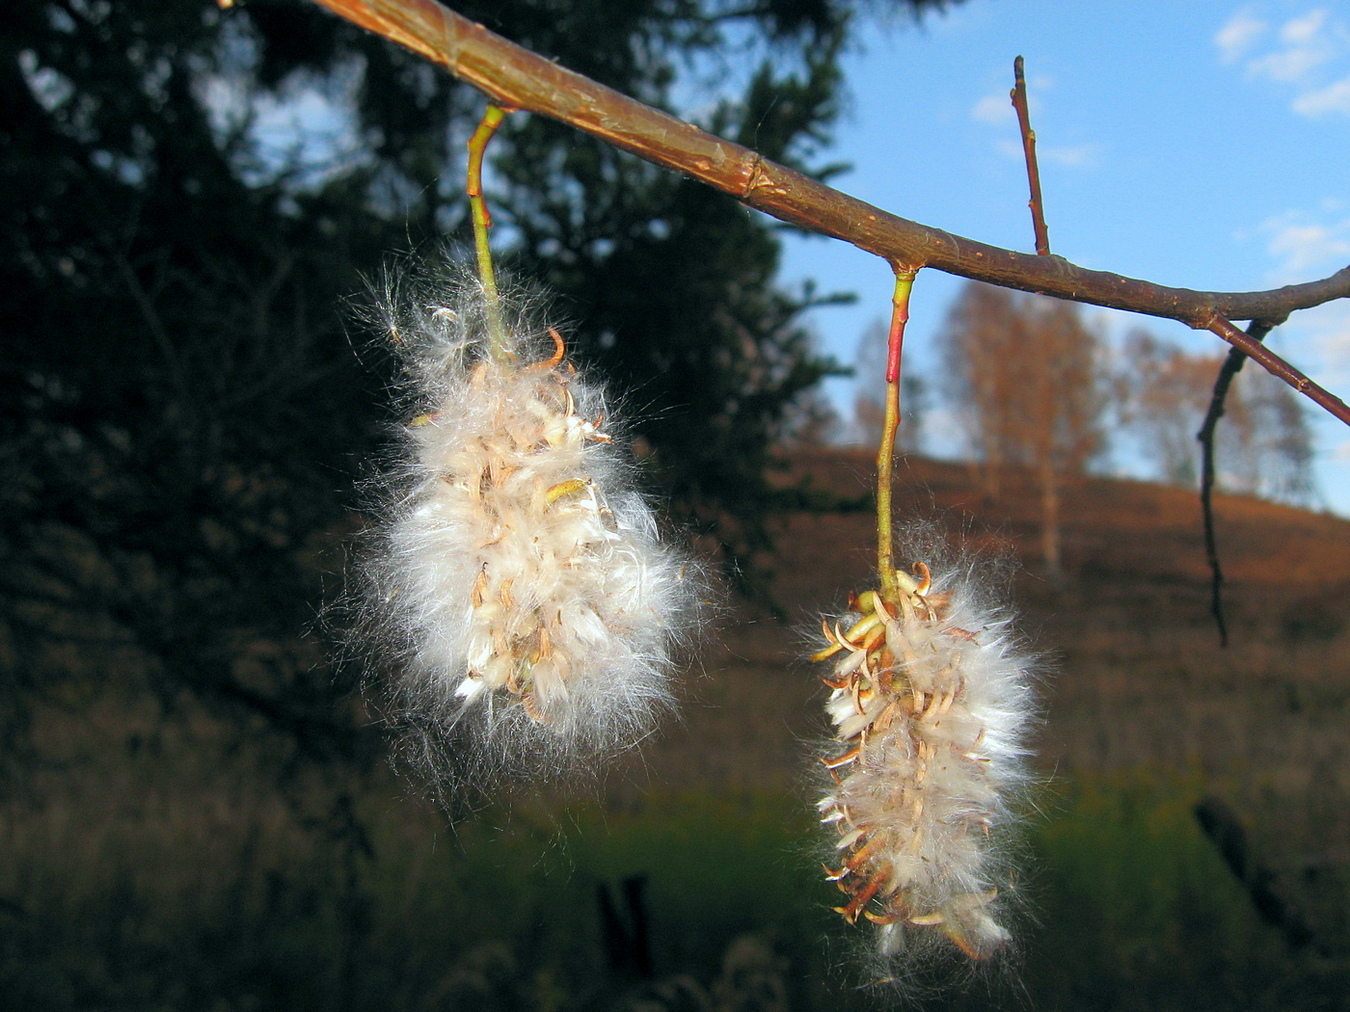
(1073, 156)
(1334, 98)
(1318, 339)
(1303, 244)
(1308, 245)
(1309, 41)
(1308, 52)
(944, 430)
(1236, 37)
(1305, 30)
(1292, 65)
(994, 109)
(997, 110)
(1067, 156)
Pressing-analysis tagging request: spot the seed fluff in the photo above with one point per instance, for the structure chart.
(930, 700)
(517, 586)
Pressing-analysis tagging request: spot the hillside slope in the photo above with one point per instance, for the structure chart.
(1136, 678)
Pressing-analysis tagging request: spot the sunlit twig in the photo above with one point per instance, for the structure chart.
(1019, 101)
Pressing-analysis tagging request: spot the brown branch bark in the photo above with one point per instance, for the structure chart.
(517, 78)
(1246, 345)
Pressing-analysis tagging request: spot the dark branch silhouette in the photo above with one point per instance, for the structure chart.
(1227, 372)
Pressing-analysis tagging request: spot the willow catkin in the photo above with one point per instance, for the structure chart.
(518, 588)
(930, 703)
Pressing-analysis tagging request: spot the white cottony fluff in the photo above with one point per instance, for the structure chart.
(931, 701)
(518, 586)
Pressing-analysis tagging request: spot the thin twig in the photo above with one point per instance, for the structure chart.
(1277, 366)
(1019, 101)
(515, 77)
(1256, 333)
(904, 284)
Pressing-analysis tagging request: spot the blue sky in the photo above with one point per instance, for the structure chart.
(1202, 144)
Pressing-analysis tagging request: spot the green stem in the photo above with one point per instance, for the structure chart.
(482, 221)
(890, 588)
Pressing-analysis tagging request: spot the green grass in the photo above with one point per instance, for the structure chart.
(205, 893)
(527, 881)
(1137, 910)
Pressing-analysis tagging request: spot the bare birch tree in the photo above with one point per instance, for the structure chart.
(1023, 373)
(1264, 444)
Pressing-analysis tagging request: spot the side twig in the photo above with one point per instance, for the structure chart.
(1019, 101)
(1256, 333)
(1276, 366)
(517, 78)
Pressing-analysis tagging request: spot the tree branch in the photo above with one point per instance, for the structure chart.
(517, 78)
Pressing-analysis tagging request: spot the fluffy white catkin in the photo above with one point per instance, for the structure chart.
(518, 589)
(931, 698)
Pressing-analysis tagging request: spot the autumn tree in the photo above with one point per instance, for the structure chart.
(981, 342)
(1263, 443)
(1023, 374)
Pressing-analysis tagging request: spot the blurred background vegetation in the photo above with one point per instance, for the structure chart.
(195, 810)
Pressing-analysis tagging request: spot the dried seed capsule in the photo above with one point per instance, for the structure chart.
(518, 586)
(930, 720)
